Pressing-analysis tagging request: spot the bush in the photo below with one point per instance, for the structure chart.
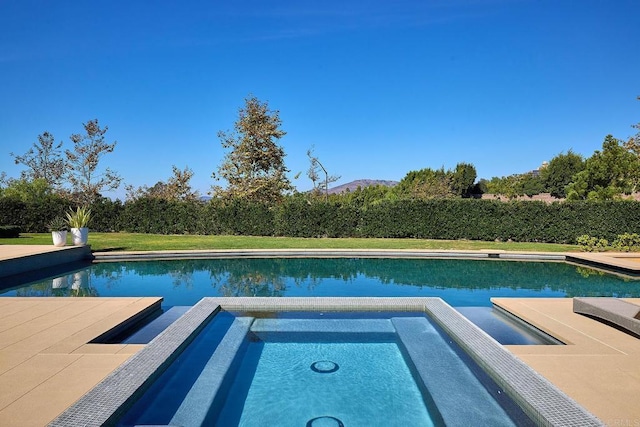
(9, 231)
(592, 244)
(105, 215)
(32, 217)
(627, 242)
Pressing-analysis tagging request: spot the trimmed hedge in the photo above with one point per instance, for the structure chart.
(9, 231)
(452, 219)
(31, 217)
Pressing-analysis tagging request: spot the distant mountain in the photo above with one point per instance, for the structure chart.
(353, 185)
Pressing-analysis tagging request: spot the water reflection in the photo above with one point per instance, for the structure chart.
(77, 284)
(459, 282)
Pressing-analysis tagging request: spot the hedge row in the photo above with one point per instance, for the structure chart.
(9, 231)
(296, 217)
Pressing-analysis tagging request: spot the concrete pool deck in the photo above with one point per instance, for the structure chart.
(46, 360)
(600, 369)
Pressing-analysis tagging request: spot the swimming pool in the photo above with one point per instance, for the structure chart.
(461, 283)
(272, 365)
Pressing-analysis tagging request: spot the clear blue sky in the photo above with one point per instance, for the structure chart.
(378, 87)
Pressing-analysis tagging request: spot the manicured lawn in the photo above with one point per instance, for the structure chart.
(153, 242)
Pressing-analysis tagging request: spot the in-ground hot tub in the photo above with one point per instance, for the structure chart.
(272, 364)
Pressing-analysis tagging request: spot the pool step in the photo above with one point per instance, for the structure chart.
(323, 330)
(461, 399)
(323, 325)
(194, 409)
(156, 326)
(503, 328)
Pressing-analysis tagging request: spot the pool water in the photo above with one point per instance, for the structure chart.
(296, 369)
(461, 283)
(294, 383)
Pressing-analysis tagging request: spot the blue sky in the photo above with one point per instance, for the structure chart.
(378, 87)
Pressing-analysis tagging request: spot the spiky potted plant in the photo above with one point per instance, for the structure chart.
(58, 227)
(78, 221)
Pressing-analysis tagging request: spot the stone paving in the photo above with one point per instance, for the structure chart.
(599, 366)
(46, 360)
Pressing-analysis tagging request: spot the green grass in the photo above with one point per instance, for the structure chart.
(156, 242)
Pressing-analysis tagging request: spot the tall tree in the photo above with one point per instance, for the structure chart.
(254, 167)
(560, 172)
(318, 174)
(83, 162)
(463, 179)
(43, 161)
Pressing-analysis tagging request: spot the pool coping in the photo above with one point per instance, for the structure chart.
(21, 259)
(539, 398)
(323, 253)
(611, 262)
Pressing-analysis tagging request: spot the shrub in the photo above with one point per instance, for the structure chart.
(627, 242)
(9, 231)
(591, 244)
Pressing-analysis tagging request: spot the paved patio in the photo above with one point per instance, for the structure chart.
(599, 366)
(46, 360)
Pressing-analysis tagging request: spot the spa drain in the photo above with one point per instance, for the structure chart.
(324, 366)
(325, 421)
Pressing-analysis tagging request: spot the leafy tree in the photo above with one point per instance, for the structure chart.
(318, 174)
(480, 187)
(254, 167)
(507, 186)
(86, 179)
(560, 172)
(426, 184)
(607, 174)
(614, 166)
(530, 184)
(463, 179)
(177, 187)
(43, 161)
(371, 195)
(579, 187)
(26, 190)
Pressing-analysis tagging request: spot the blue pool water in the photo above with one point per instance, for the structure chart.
(351, 382)
(461, 283)
(300, 371)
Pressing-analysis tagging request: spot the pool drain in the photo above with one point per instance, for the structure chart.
(324, 366)
(325, 421)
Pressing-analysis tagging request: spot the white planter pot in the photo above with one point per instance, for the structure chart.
(80, 235)
(59, 238)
